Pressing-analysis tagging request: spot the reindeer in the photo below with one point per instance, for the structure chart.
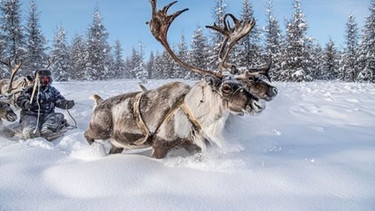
(11, 88)
(6, 113)
(173, 115)
(9, 91)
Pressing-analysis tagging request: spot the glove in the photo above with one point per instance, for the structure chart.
(67, 104)
(27, 105)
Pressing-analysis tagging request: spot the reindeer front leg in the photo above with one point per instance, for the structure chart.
(191, 147)
(161, 147)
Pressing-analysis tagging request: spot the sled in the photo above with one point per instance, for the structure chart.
(16, 130)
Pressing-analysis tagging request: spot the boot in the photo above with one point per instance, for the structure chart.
(30, 134)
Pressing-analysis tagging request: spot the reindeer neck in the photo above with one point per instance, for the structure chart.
(204, 104)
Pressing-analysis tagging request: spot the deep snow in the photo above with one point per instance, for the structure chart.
(313, 148)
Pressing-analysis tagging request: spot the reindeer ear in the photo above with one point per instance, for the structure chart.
(266, 74)
(29, 78)
(212, 81)
(234, 70)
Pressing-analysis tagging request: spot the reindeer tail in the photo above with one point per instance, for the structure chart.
(97, 99)
(144, 89)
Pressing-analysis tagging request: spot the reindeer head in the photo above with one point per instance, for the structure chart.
(234, 95)
(253, 79)
(256, 83)
(6, 112)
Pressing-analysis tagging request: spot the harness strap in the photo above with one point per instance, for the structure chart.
(191, 117)
(146, 131)
(177, 105)
(139, 120)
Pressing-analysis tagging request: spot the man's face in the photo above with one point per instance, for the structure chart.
(44, 80)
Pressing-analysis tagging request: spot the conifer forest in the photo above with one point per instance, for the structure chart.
(294, 56)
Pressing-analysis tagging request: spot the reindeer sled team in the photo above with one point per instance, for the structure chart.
(172, 116)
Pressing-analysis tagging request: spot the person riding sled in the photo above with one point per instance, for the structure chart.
(38, 102)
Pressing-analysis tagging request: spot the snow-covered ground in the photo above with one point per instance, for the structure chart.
(313, 148)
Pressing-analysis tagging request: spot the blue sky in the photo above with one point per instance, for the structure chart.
(125, 19)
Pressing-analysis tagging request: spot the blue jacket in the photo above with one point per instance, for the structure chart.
(49, 98)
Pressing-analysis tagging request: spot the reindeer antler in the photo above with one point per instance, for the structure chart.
(233, 35)
(12, 70)
(159, 25)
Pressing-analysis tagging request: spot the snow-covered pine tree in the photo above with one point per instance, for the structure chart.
(183, 54)
(330, 62)
(249, 50)
(119, 64)
(12, 30)
(99, 61)
(2, 37)
(316, 59)
(349, 60)
(199, 51)
(215, 38)
(169, 65)
(3, 43)
(157, 67)
(294, 67)
(78, 57)
(367, 48)
(134, 66)
(36, 57)
(132, 63)
(273, 41)
(163, 66)
(312, 58)
(150, 65)
(60, 55)
(141, 72)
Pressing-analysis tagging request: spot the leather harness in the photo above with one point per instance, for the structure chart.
(143, 126)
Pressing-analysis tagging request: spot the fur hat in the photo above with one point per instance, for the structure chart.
(45, 73)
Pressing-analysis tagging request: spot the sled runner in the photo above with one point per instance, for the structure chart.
(16, 130)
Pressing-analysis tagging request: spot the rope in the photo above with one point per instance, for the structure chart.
(37, 101)
(77, 103)
(70, 127)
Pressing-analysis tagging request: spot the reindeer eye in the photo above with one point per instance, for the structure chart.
(227, 88)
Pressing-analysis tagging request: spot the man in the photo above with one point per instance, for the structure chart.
(38, 116)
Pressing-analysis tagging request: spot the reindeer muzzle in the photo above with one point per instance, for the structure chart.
(255, 107)
(11, 117)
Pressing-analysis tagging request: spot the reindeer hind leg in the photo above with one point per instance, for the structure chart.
(115, 150)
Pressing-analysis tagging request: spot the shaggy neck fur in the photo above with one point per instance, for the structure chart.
(207, 107)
